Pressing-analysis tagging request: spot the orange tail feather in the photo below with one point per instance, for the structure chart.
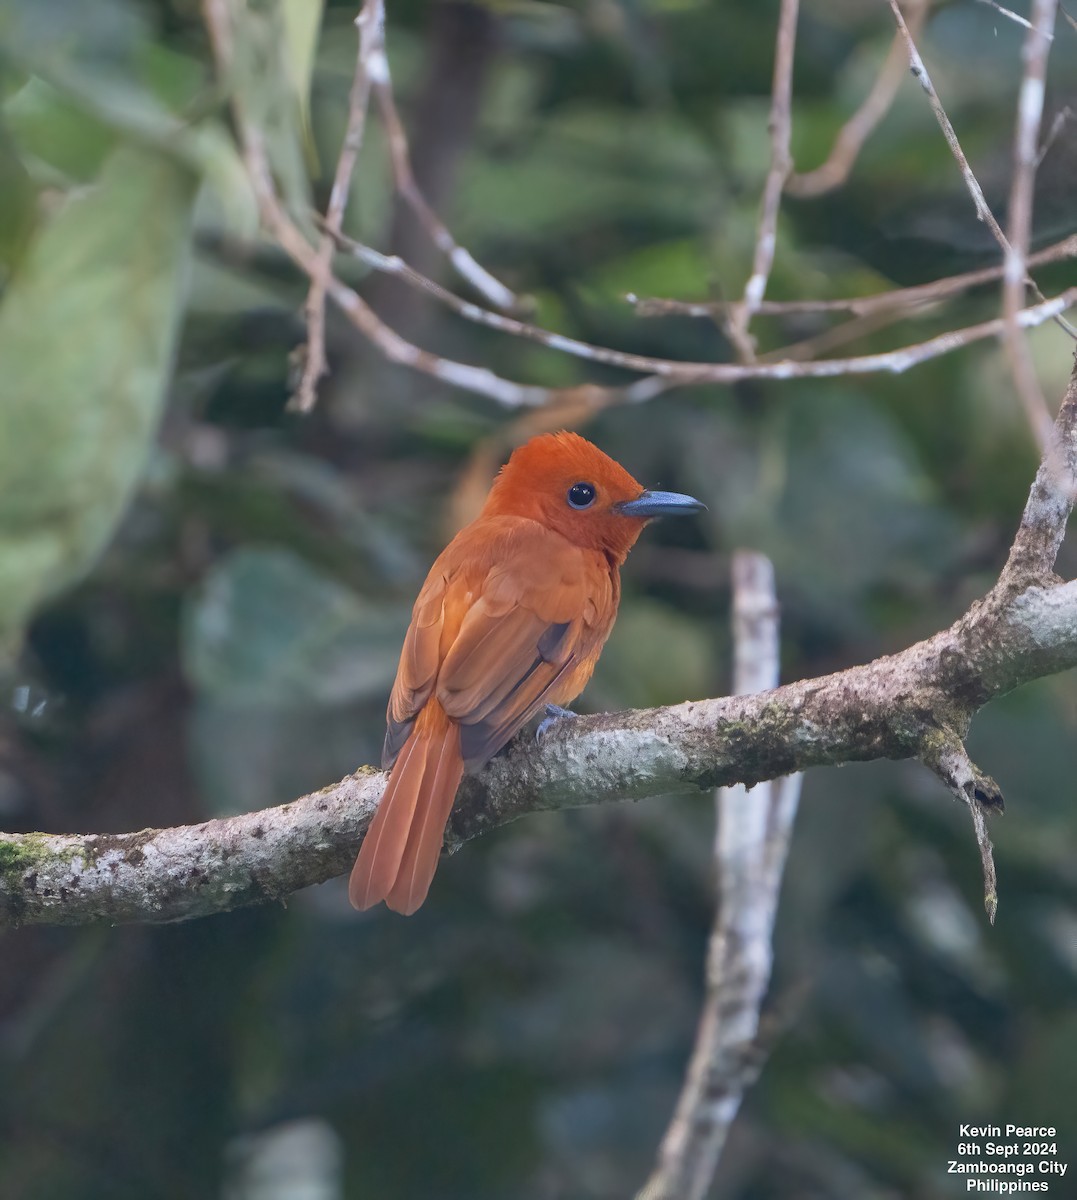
(399, 854)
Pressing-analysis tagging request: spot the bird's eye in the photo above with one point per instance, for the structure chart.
(581, 495)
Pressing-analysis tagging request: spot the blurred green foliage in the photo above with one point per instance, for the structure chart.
(87, 333)
(523, 1036)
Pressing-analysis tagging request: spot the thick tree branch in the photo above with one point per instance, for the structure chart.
(905, 705)
(896, 707)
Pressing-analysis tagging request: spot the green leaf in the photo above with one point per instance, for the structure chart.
(654, 656)
(87, 334)
(269, 631)
(302, 22)
(18, 199)
(263, 55)
(61, 137)
(287, 665)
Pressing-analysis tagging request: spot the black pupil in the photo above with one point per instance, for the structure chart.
(580, 495)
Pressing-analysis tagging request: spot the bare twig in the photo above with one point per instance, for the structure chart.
(371, 25)
(292, 241)
(675, 374)
(833, 337)
(662, 373)
(898, 298)
(983, 211)
(392, 264)
(916, 64)
(481, 380)
(860, 126)
(781, 163)
(689, 372)
(750, 850)
(1058, 123)
(948, 758)
(1019, 215)
(372, 72)
(493, 290)
(1007, 13)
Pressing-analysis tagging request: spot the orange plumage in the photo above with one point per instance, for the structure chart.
(512, 617)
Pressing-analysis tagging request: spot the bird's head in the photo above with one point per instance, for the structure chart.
(568, 484)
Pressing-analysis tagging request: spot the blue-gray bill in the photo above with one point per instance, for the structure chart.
(661, 504)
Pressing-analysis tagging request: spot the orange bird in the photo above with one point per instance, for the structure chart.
(511, 619)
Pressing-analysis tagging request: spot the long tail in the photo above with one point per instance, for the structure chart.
(399, 854)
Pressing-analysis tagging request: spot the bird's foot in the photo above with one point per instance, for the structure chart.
(554, 715)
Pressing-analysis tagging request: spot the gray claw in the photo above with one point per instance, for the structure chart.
(554, 714)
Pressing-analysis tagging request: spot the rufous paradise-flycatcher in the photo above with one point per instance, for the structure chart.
(511, 618)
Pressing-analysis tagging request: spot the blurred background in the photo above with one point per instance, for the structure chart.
(232, 645)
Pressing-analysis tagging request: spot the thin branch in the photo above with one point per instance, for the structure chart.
(780, 125)
(834, 337)
(1007, 13)
(494, 291)
(392, 264)
(983, 211)
(916, 64)
(863, 123)
(774, 367)
(481, 380)
(1019, 215)
(949, 760)
(371, 26)
(890, 708)
(754, 831)
(673, 373)
(372, 72)
(898, 298)
(662, 373)
(294, 244)
(1058, 123)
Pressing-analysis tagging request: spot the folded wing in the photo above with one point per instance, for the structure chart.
(498, 635)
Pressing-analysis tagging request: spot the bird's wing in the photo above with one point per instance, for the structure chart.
(497, 642)
(541, 616)
(422, 652)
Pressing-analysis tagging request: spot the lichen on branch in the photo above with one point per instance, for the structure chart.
(898, 706)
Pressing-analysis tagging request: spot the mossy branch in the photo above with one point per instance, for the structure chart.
(915, 704)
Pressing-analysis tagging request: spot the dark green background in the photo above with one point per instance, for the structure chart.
(523, 1037)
